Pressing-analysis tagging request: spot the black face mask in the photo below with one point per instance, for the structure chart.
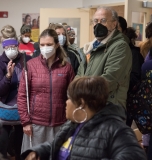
(100, 30)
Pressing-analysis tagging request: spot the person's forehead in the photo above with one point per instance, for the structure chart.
(102, 13)
(11, 45)
(46, 39)
(27, 34)
(60, 30)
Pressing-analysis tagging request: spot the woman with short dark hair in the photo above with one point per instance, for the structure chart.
(95, 130)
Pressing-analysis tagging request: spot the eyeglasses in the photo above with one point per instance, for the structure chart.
(10, 46)
(72, 36)
(102, 21)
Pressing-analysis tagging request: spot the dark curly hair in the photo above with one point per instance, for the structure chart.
(131, 33)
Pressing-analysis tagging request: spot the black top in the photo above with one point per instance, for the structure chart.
(73, 59)
(104, 137)
(137, 61)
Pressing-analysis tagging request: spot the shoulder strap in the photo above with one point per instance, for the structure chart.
(74, 52)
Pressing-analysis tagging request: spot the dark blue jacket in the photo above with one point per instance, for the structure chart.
(9, 87)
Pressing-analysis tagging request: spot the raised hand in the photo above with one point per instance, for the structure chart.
(10, 68)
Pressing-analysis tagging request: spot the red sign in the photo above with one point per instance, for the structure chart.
(3, 14)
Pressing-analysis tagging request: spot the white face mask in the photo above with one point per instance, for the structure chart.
(11, 53)
(26, 39)
(62, 39)
(47, 51)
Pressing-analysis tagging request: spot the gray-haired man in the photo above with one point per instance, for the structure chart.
(108, 55)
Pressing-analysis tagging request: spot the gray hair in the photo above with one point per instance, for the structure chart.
(113, 12)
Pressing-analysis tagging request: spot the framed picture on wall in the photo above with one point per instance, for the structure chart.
(139, 30)
(33, 21)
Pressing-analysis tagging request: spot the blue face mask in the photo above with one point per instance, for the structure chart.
(62, 39)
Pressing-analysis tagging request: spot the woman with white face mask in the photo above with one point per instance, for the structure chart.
(11, 65)
(64, 42)
(49, 75)
(25, 40)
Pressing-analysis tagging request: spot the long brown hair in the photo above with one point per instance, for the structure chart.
(59, 52)
(59, 26)
(145, 47)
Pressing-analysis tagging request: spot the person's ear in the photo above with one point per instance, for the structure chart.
(114, 25)
(82, 102)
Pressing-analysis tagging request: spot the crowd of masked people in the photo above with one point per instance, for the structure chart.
(62, 102)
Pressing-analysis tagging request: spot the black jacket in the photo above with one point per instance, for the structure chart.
(104, 137)
(137, 61)
(37, 51)
(73, 58)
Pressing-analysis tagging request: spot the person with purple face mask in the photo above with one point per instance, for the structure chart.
(49, 75)
(11, 65)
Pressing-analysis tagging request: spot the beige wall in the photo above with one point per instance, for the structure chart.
(119, 10)
(86, 33)
(91, 13)
(91, 3)
(83, 14)
(136, 6)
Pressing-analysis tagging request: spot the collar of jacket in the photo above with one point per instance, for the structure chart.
(116, 36)
(88, 48)
(44, 61)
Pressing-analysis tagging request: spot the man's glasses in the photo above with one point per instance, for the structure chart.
(102, 21)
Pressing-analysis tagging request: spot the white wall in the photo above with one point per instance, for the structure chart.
(92, 3)
(15, 9)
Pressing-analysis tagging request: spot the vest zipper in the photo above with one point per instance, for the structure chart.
(33, 103)
(50, 97)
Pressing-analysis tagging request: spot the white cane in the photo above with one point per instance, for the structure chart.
(27, 93)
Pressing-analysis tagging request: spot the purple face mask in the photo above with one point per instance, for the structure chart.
(9, 42)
